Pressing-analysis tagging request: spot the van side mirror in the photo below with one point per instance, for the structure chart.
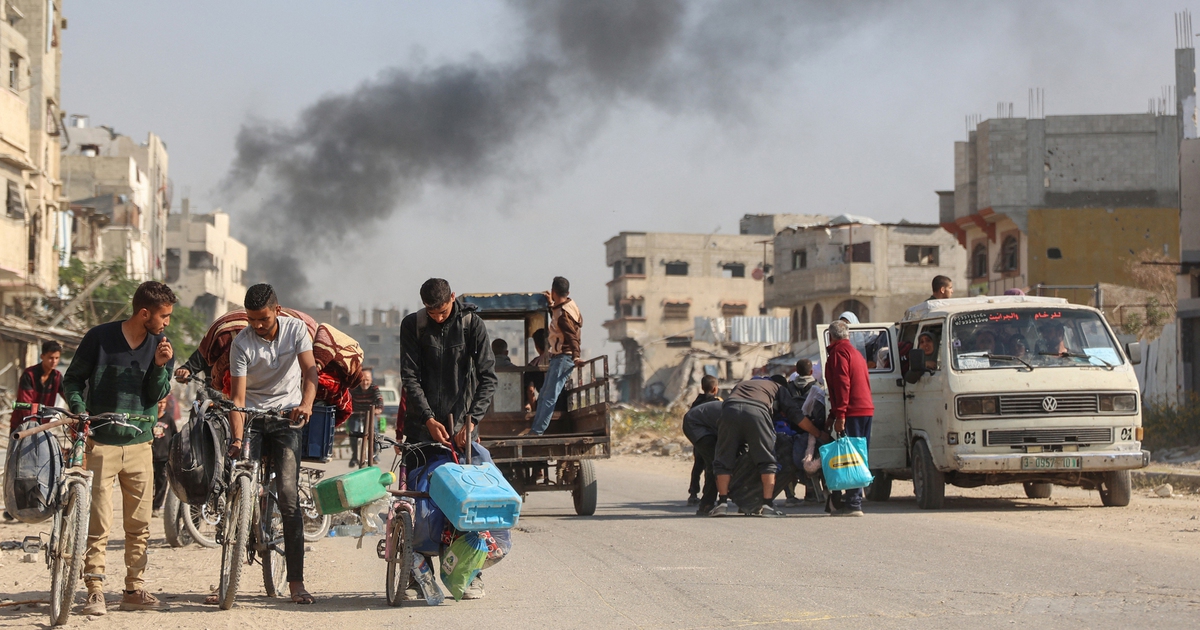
(1133, 350)
(916, 366)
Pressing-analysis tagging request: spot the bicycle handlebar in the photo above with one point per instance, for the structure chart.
(111, 417)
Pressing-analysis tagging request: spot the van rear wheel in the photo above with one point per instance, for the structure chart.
(1038, 489)
(929, 483)
(1117, 488)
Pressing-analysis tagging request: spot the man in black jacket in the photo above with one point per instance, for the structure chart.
(448, 373)
(446, 366)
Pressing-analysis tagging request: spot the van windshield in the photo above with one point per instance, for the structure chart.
(1039, 337)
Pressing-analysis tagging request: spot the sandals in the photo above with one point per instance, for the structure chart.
(303, 598)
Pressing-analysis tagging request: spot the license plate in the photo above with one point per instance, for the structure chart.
(1049, 463)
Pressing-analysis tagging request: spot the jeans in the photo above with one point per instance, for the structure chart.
(280, 441)
(705, 450)
(856, 426)
(697, 468)
(160, 483)
(355, 426)
(556, 377)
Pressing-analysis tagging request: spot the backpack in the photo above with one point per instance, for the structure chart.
(32, 476)
(196, 457)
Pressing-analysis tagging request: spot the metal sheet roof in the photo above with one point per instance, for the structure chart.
(507, 302)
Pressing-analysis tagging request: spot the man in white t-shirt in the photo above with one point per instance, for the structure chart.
(272, 367)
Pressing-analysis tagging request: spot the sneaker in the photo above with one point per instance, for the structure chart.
(693, 499)
(848, 511)
(354, 463)
(704, 509)
(475, 590)
(793, 502)
(768, 511)
(156, 514)
(95, 606)
(720, 509)
(141, 600)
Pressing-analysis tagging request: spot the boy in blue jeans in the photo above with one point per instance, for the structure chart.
(565, 324)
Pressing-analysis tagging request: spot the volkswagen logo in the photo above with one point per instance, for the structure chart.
(1050, 404)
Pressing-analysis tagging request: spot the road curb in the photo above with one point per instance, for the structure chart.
(1178, 480)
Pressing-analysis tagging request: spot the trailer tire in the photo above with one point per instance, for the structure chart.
(1038, 489)
(585, 489)
(929, 483)
(881, 488)
(1117, 488)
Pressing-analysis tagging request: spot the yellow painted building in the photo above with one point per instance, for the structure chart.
(1090, 245)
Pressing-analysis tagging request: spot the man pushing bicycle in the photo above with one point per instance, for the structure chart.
(271, 366)
(123, 367)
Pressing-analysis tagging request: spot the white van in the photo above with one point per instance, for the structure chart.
(998, 390)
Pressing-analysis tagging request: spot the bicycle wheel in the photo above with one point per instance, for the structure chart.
(271, 553)
(202, 521)
(70, 548)
(316, 525)
(237, 534)
(399, 570)
(174, 528)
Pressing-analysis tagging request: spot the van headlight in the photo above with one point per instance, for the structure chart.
(979, 406)
(1118, 403)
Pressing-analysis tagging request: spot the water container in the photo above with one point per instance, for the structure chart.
(317, 442)
(351, 490)
(475, 498)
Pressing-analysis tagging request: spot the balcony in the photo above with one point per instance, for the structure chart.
(626, 328)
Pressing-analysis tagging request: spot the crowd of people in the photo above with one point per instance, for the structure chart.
(777, 425)
(447, 371)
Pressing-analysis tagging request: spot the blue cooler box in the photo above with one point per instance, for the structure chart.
(317, 445)
(475, 498)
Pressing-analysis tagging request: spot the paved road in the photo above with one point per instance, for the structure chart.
(645, 561)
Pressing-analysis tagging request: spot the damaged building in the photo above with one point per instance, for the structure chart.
(668, 289)
(856, 264)
(31, 222)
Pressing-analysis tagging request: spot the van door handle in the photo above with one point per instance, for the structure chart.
(909, 396)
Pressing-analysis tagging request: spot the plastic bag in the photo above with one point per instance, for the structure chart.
(462, 561)
(844, 464)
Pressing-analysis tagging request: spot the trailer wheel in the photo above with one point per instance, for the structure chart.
(1038, 489)
(584, 492)
(1117, 488)
(880, 489)
(929, 483)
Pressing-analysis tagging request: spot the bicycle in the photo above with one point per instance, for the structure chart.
(68, 536)
(316, 525)
(396, 548)
(248, 528)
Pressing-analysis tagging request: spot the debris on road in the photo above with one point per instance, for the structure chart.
(1164, 491)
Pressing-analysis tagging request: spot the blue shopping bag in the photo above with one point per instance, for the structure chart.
(844, 463)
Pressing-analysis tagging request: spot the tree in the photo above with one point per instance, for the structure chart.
(113, 298)
(1153, 271)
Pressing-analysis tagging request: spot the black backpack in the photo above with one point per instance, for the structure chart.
(32, 476)
(196, 458)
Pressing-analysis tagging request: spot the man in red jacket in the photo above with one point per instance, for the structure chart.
(850, 405)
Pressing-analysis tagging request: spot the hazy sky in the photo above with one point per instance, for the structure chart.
(813, 110)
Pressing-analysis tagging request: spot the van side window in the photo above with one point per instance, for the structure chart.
(876, 348)
(930, 341)
(908, 338)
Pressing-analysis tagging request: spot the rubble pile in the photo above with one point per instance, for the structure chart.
(649, 443)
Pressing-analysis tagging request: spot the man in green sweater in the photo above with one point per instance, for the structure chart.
(123, 367)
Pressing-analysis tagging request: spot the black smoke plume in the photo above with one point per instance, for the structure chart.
(352, 160)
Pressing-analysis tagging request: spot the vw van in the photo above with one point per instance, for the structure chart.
(1001, 390)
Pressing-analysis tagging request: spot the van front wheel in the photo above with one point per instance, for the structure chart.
(1038, 489)
(1117, 488)
(929, 483)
